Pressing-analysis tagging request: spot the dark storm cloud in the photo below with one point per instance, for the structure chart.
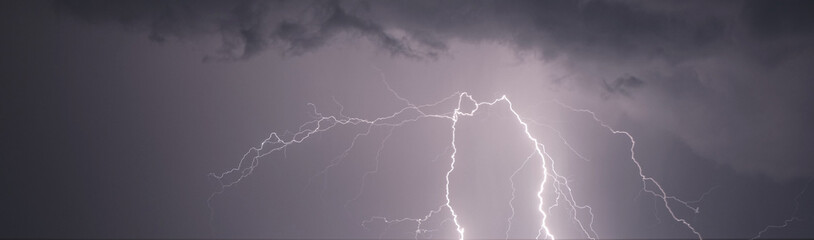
(623, 85)
(300, 38)
(731, 74)
(247, 28)
(735, 74)
(597, 28)
(780, 19)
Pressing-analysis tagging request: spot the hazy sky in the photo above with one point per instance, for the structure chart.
(114, 113)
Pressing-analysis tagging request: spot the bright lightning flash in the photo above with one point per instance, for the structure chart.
(411, 113)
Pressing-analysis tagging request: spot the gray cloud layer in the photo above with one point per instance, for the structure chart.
(245, 27)
(730, 78)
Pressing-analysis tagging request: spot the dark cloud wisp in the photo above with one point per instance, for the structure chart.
(247, 28)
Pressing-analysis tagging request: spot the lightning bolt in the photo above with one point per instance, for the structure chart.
(793, 214)
(412, 113)
(514, 190)
(659, 191)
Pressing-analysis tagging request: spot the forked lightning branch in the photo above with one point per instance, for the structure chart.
(465, 106)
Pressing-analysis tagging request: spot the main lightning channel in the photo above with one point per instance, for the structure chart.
(322, 123)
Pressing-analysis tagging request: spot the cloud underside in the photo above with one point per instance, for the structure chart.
(247, 28)
(734, 76)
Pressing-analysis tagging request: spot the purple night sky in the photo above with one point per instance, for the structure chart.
(407, 119)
